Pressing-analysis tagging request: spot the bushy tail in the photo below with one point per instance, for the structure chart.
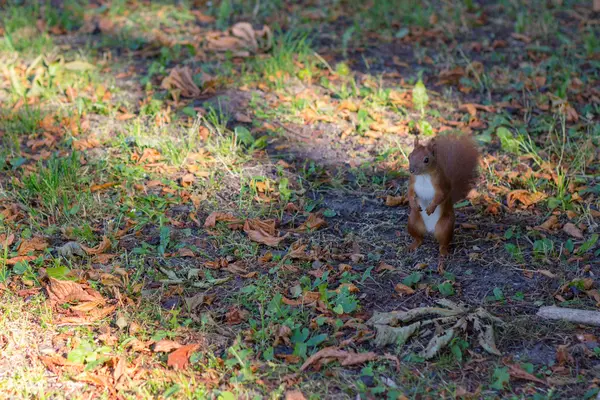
(458, 157)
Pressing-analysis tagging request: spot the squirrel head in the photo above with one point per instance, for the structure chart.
(422, 159)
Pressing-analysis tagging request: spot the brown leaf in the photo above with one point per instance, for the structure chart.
(403, 289)
(6, 241)
(547, 273)
(187, 180)
(120, 368)
(313, 222)
(470, 108)
(263, 232)
(241, 117)
(395, 201)
(563, 356)
(96, 188)
(346, 358)
(14, 260)
(235, 316)
(572, 230)
(525, 197)
(181, 78)
(385, 267)
(166, 346)
(347, 105)
(294, 395)
(101, 248)
(215, 217)
(180, 358)
(67, 291)
(517, 372)
(31, 245)
(550, 224)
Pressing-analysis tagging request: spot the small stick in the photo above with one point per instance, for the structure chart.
(584, 317)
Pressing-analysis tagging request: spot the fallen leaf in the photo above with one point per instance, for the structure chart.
(395, 201)
(31, 245)
(181, 78)
(180, 358)
(550, 224)
(294, 395)
(403, 289)
(516, 371)
(572, 230)
(96, 188)
(313, 222)
(384, 267)
(166, 346)
(215, 217)
(346, 358)
(525, 197)
(263, 232)
(101, 248)
(547, 273)
(14, 260)
(6, 241)
(60, 292)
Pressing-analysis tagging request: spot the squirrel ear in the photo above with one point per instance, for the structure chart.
(432, 146)
(416, 142)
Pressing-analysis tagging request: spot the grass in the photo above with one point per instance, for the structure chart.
(317, 128)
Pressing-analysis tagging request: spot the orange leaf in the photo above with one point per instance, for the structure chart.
(14, 260)
(313, 222)
(101, 248)
(294, 395)
(95, 188)
(180, 358)
(166, 346)
(33, 244)
(395, 201)
(401, 288)
(525, 197)
(550, 224)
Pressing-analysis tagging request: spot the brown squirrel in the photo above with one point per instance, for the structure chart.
(442, 172)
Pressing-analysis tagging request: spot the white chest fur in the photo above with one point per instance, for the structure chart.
(425, 192)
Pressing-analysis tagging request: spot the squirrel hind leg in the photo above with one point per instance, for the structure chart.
(444, 231)
(416, 229)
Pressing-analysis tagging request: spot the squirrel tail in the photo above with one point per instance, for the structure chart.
(458, 157)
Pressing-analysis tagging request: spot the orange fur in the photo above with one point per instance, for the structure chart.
(448, 165)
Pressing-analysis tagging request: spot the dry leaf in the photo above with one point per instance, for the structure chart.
(550, 224)
(14, 260)
(525, 197)
(67, 291)
(6, 241)
(384, 267)
(166, 346)
(313, 222)
(180, 358)
(215, 217)
(34, 244)
(294, 395)
(95, 188)
(517, 372)
(572, 230)
(181, 78)
(346, 358)
(101, 248)
(395, 201)
(263, 232)
(403, 289)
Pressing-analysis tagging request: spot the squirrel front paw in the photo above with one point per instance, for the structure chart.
(430, 209)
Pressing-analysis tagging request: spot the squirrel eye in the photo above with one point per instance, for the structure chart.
(426, 160)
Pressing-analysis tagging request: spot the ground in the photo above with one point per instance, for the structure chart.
(208, 199)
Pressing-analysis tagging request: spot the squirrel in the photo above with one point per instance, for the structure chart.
(442, 172)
